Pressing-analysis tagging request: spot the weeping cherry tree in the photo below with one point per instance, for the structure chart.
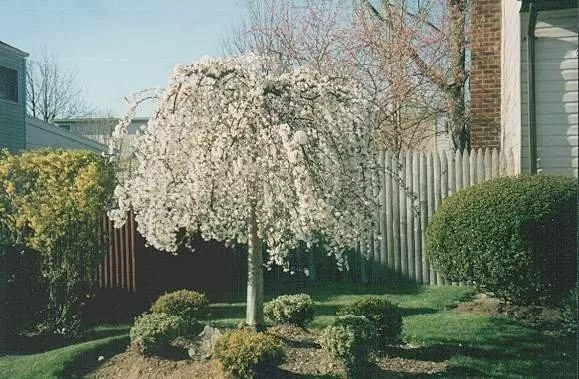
(247, 155)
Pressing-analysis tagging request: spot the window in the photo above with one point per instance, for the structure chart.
(8, 84)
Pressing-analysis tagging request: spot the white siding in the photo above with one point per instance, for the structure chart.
(41, 134)
(555, 93)
(511, 80)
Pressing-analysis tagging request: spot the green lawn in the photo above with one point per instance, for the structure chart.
(68, 361)
(474, 345)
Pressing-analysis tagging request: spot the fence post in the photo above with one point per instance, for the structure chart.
(376, 272)
(430, 159)
(424, 185)
(495, 170)
(396, 216)
(382, 232)
(473, 169)
(403, 217)
(388, 203)
(416, 257)
(480, 166)
(465, 169)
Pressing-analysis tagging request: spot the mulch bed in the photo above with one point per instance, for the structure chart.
(305, 356)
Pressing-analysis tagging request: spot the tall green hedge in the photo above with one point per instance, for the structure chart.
(514, 237)
(53, 201)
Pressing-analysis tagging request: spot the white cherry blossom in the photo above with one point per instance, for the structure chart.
(246, 154)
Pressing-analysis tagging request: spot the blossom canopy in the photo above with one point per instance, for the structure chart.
(233, 136)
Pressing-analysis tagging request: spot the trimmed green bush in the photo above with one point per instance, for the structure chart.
(569, 311)
(350, 339)
(190, 305)
(514, 237)
(52, 202)
(290, 309)
(243, 351)
(384, 315)
(153, 332)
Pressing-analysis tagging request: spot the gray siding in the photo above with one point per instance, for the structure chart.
(12, 114)
(41, 134)
(556, 93)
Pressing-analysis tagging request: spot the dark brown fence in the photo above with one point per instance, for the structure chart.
(133, 267)
(118, 269)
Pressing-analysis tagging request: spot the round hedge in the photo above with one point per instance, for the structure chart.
(514, 237)
(384, 315)
(290, 309)
(350, 339)
(190, 305)
(243, 352)
(152, 333)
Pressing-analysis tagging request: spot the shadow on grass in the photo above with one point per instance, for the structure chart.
(221, 311)
(33, 344)
(325, 291)
(503, 342)
(322, 309)
(88, 360)
(100, 333)
(36, 343)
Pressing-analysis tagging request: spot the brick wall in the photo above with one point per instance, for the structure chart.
(485, 85)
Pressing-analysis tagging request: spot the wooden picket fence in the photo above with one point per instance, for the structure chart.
(411, 188)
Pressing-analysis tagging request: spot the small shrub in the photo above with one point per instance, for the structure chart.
(22, 293)
(190, 305)
(569, 311)
(514, 237)
(350, 339)
(290, 309)
(243, 351)
(384, 315)
(153, 332)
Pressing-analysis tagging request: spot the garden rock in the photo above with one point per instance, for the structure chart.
(202, 347)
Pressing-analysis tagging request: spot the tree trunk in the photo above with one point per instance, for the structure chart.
(313, 277)
(254, 315)
(455, 90)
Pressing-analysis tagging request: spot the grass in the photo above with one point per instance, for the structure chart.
(329, 297)
(489, 346)
(474, 345)
(69, 361)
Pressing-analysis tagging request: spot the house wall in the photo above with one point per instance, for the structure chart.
(485, 79)
(12, 130)
(556, 91)
(42, 134)
(511, 80)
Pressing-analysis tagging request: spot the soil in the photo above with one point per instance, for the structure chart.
(544, 319)
(305, 357)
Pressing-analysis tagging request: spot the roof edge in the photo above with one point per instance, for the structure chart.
(11, 49)
(549, 5)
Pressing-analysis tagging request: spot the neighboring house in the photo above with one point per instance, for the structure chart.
(12, 97)
(18, 131)
(517, 43)
(42, 134)
(98, 129)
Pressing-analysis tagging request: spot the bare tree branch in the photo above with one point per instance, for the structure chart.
(438, 52)
(334, 37)
(52, 92)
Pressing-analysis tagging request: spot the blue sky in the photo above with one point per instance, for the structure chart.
(118, 47)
